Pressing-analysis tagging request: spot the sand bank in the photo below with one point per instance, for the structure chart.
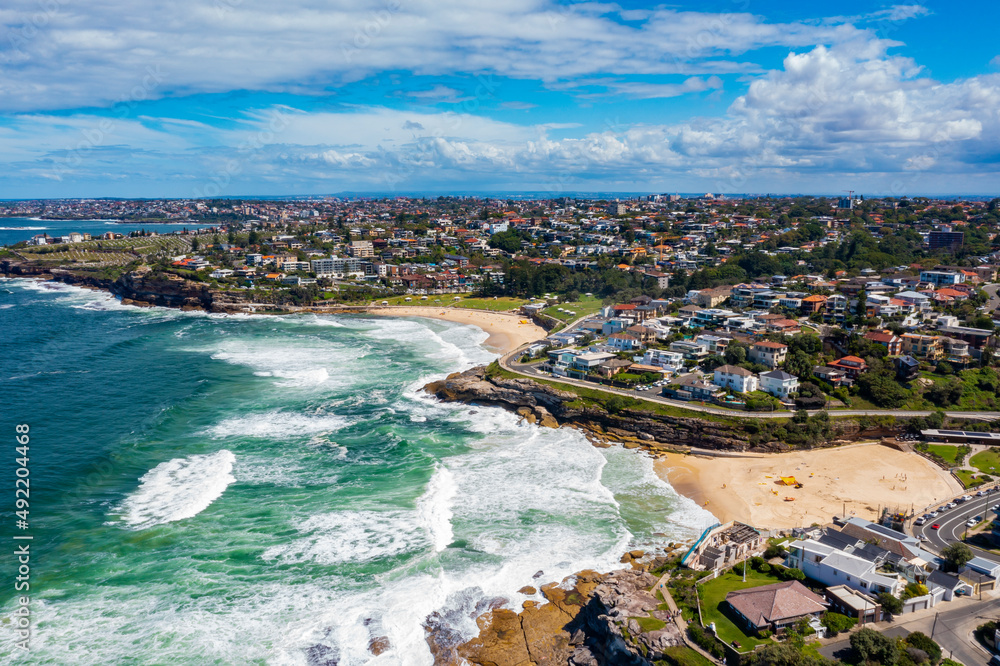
(862, 477)
(506, 331)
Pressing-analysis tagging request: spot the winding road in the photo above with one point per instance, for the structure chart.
(505, 363)
(952, 525)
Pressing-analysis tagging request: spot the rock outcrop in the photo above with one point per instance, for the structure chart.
(589, 619)
(549, 406)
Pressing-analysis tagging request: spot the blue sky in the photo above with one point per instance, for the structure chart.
(244, 97)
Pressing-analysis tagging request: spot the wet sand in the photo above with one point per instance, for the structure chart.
(506, 331)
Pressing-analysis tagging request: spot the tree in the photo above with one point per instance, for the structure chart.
(736, 353)
(890, 604)
(194, 244)
(922, 641)
(882, 388)
(837, 623)
(871, 646)
(799, 364)
(957, 555)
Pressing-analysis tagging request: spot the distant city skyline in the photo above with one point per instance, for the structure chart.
(241, 98)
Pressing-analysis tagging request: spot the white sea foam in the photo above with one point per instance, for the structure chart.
(296, 362)
(434, 508)
(22, 228)
(278, 425)
(352, 536)
(6, 306)
(178, 489)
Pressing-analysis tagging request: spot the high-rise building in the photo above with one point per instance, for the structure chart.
(945, 239)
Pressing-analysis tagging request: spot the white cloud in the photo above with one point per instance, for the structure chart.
(850, 111)
(81, 54)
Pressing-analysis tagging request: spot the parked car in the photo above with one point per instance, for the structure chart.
(920, 521)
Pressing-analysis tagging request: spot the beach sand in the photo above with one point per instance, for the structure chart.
(862, 476)
(506, 331)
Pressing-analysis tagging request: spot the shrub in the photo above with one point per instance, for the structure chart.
(706, 641)
(836, 623)
(774, 550)
(764, 567)
(923, 642)
(890, 604)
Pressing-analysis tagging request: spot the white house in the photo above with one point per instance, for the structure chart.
(736, 378)
(831, 566)
(779, 383)
(668, 360)
(220, 273)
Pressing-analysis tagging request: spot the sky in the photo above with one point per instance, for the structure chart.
(205, 98)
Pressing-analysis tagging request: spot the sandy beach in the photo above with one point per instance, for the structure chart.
(506, 331)
(862, 477)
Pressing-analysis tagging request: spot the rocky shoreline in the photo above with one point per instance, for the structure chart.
(658, 433)
(145, 288)
(588, 619)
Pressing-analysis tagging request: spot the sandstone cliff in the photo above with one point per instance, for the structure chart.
(588, 619)
(551, 406)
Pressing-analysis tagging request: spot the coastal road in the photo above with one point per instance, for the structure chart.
(505, 363)
(952, 524)
(951, 628)
(994, 302)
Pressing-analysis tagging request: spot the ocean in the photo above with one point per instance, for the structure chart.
(16, 229)
(277, 490)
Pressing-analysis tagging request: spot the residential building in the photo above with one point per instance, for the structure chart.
(942, 278)
(771, 354)
(832, 376)
(907, 368)
(668, 360)
(852, 365)
(362, 249)
(831, 566)
(948, 239)
(812, 304)
(927, 347)
(624, 341)
(736, 378)
(852, 603)
(691, 350)
(776, 607)
(779, 383)
(692, 387)
(888, 340)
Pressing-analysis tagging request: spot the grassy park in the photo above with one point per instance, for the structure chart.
(498, 304)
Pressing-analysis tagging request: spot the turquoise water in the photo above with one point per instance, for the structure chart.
(16, 229)
(212, 489)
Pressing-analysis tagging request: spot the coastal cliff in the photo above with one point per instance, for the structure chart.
(588, 619)
(141, 287)
(551, 406)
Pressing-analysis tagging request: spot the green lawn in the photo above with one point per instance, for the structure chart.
(587, 305)
(946, 452)
(713, 598)
(684, 656)
(987, 461)
(499, 304)
(969, 479)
